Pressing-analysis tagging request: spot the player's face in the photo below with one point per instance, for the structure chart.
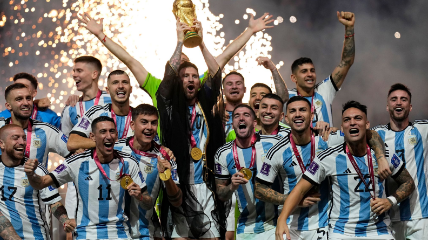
(145, 127)
(83, 75)
(256, 95)
(119, 87)
(243, 122)
(399, 105)
(270, 112)
(20, 102)
(299, 116)
(234, 88)
(184, 58)
(191, 84)
(354, 125)
(28, 84)
(14, 143)
(305, 76)
(104, 135)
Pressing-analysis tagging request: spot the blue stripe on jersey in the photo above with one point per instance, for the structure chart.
(31, 213)
(244, 214)
(72, 113)
(15, 219)
(197, 125)
(104, 198)
(343, 218)
(364, 215)
(420, 174)
(84, 195)
(260, 209)
(228, 125)
(400, 150)
(41, 135)
(89, 104)
(380, 225)
(120, 125)
(119, 224)
(143, 222)
(303, 222)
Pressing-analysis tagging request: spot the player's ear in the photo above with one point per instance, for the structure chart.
(92, 136)
(411, 107)
(368, 124)
(286, 120)
(133, 125)
(293, 78)
(7, 105)
(2, 143)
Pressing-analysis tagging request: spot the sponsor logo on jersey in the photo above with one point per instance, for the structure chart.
(412, 140)
(84, 123)
(25, 182)
(174, 174)
(60, 168)
(217, 168)
(37, 143)
(313, 168)
(51, 188)
(141, 176)
(265, 169)
(395, 160)
(88, 178)
(64, 138)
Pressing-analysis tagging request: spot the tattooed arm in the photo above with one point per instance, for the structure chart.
(175, 60)
(146, 200)
(267, 194)
(376, 143)
(58, 210)
(281, 88)
(348, 52)
(7, 232)
(225, 190)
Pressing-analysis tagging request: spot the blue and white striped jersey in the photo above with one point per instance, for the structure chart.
(256, 216)
(24, 206)
(411, 145)
(200, 133)
(100, 201)
(83, 128)
(145, 223)
(325, 92)
(350, 214)
(71, 115)
(43, 115)
(45, 138)
(282, 162)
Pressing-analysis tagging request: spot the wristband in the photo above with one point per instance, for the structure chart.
(392, 200)
(349, 36)
(104, 39)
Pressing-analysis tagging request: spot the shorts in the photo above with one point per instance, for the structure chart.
(268, 235)
(230, 221)
(316, 234)
(414, 229)
(206, 199)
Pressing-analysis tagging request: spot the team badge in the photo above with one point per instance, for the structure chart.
(37, 143)
(412, 140)
(148, 169)
(117, 175)
(318, 103)
(25, 182)
(313, 168)
(265, 169)
(263, 157)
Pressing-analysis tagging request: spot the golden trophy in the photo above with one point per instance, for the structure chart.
(185, 10)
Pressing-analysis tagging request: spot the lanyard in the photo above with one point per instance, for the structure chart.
(296, 152)
(253, 153)
(35, 110)
(127, 123)
(97, 99)
(370, 167)
(29, 132)
(145, 154)
(192, 120)
(97, 161)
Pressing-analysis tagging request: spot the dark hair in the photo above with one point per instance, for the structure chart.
(29, 77)
(186, 64)
(233, 73)
(296, 99)
(185, 55)
(90, 60)
(13, 87)
(101, 119)
(243, 105)
(299, 62)
(354, 104)
(274, 96)
(261, 85)
(117, 72)
(144, 109)
(400, 86)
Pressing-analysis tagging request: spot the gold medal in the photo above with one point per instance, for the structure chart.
(196, 154)
(165, 175)
(247, 173)
(125, 181)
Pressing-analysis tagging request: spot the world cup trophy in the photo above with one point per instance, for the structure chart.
(185, 10)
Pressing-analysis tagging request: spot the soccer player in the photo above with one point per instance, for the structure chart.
(407, 140)
(86, 73)
(143, 218)
(270, 115)
(235, 173)
(102, 175)
(7, 232)
(119, 87)
(22, 205)
(42, 114)
(42, 138)
(233, 90)
(321, 95)
(359, 203)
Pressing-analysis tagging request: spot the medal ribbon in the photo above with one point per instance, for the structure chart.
(28, 141)
(127, 123)
(35, 110)
(370, 167)
(97, 161)
(192, 120)
(141, 153)
(253, 153)
(296, 152)
(97, 100)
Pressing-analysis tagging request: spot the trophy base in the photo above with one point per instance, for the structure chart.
(192, 39)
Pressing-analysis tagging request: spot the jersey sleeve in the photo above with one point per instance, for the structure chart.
(62, 174)
(66, 124)
(221, 170)
(54, 119)
(58, 143)
(396, 165)
(335, 138)
(316, 172)
(83, 126)
(136, 174)
(151, 85)
(174, 174)
(327, 89)
(49, 195)
(268, 168)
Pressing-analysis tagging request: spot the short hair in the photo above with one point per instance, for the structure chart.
(95, 62)
(298, 62)
(29, 77)
(101, 119)
(185, 55)
(13, 87)
(117, 72)
(261, 85)
(354, 104)
(144, 109)
(296, 99)
(273, 96)
(243, 105)
(186, 64)
(233, 73)
(5, 128)
(400, 86)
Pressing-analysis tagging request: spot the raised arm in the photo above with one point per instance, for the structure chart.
(280, 86)
(376, 143)
(7, 232)
(75, 142)
(36, 181)
(96, 28)
(255, 25)
(209, 59)
(348, 51)
(175, 60)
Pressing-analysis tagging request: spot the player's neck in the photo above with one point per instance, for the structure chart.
(302, 138)
(268, 130)
(90, 93)
(398, 125)
(8, 161)
(18, 121)
(259, 124)
(141, 146)
(104, 158)
(121, 109)
(244, 142)
(305, 92)
(192, 102)
(359, 148)
(231, 105)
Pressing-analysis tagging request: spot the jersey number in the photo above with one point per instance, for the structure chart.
(367, 179)
(12, 189)
(100, 188)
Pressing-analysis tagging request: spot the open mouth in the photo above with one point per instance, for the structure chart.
(191, 87)
(399, 109)
(234, 93)
(147, 134)
(20, 149)
(257, 105)
(309, 80)
(354, 131)
(298, 121)
(121, 94)
(267, 117)
(108, 144)
(242, 126)
(25, 109)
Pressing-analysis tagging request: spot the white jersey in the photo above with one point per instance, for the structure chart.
(45, 138)
(145, 223)
(200, 133)
(411, 145)
(282, 162)
(83, 127)
(325, 92)
(256, 216)
(24, 206)
(350, 215)
(71, 115)
(100, 201)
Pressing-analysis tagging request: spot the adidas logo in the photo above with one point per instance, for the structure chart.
(347, 171)
(293, 164)
(88, 178)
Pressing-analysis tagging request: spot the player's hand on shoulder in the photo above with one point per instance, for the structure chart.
(346, 18)
(30, 166)
(42, 103)
(380, 205)
(80, 150)
(72, 100)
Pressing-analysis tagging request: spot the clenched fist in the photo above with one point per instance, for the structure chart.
(346, 18)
